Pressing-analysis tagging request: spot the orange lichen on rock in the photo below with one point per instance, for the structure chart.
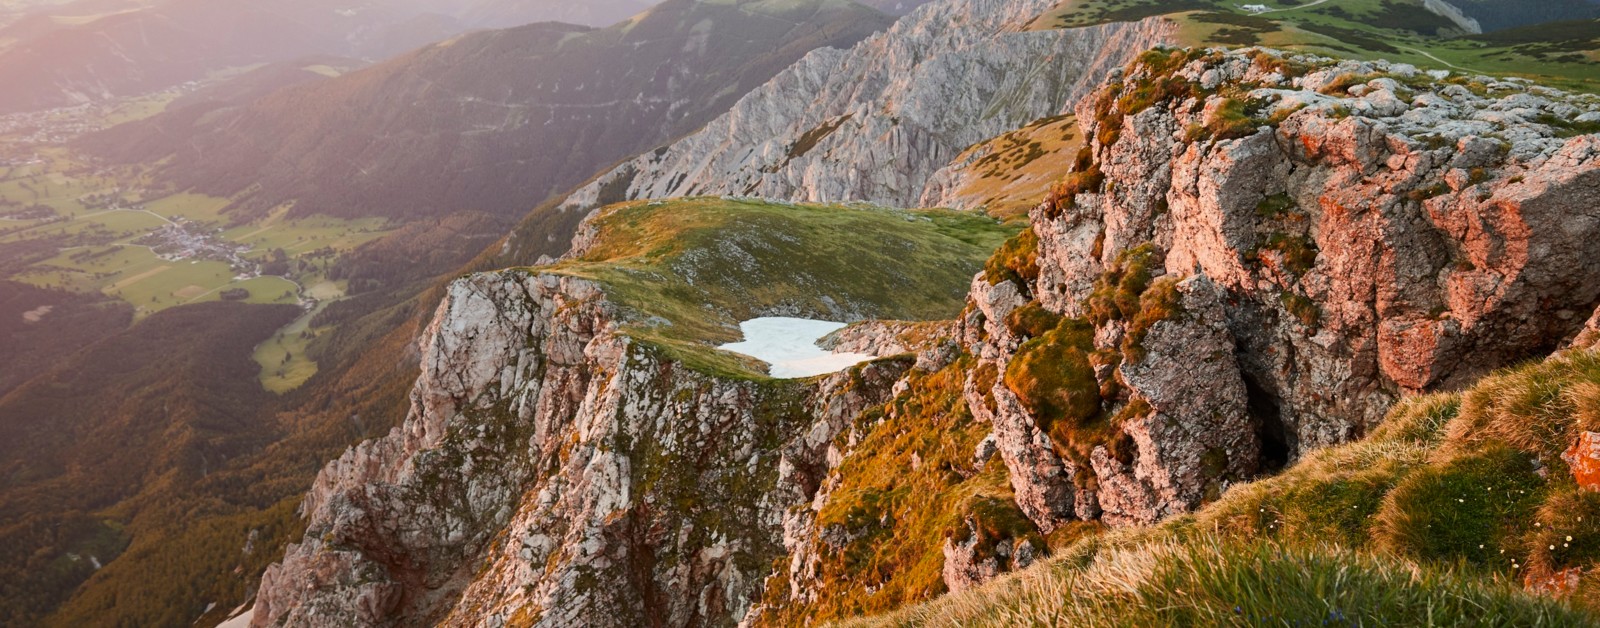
(1584, 458)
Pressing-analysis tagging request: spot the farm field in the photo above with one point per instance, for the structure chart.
(284, 363)
(101, 219)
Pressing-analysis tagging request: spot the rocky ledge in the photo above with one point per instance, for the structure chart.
(1259, 254)
(554, 472)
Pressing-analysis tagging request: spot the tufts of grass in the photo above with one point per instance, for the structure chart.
(1468, 509)
(905, 488)
(1016, 260)
(1032, 320)
(1116, 292)
(1302, 309)
(1231, 120)
(1053, 376)
(1205, 581)
(1158, 303)
(1436, 517)
(1298, 253)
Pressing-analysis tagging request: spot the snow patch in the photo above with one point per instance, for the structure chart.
(790, 346)
(242, 620)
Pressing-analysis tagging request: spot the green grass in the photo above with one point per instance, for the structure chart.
(1565, 55)
(300, 235)
(1015, 169)
(1205, 581)
(97, 253)
(689, 270)
(195, 207)
(1435, 518)
(285, 365)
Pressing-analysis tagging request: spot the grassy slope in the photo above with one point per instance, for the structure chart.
(1563, 55)
(1434, 519)
(1016, 168)
(693, 268)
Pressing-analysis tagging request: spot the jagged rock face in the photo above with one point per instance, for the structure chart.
(1196, 430)
(1397, 233)
(874, 123)
(967, 565)
(554, 472)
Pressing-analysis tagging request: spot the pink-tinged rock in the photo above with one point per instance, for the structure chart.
(1584, 459)
(1557, 584)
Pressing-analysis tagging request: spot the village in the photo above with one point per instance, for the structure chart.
(182, 240)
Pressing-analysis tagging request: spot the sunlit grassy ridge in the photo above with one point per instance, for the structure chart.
(1562, 54)
(690, 270)
(1437, 518)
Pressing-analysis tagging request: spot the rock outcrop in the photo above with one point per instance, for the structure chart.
(1328, 236)
(873, 123)
(554, 472)
(1253, 256)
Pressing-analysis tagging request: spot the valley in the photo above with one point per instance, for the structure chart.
(800, 312)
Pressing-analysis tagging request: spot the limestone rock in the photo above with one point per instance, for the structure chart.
(547, 469)
(974, 560)
(1196, 434)
(1341, 247)
(875, 122)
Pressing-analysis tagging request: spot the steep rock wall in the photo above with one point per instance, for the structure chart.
(875, 122)
(1365, 230)
(554, 472)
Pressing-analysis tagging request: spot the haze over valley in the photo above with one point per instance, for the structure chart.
(799, 312)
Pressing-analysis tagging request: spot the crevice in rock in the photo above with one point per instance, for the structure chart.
(1277, 446)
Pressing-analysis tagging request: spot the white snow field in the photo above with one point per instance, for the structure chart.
(242, 620)
(790, 346)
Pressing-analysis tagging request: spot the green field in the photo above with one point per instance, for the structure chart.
(1565, 55)
(284, 363)
(301, 235)
(97, 250)
(685, 266)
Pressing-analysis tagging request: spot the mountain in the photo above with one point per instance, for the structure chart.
(1255, 257)
(880, 118)
(87, 51)
(483, 113)
(1247, 260)
(39, 327)
(895, 7)
(617, 389)
(176, 546)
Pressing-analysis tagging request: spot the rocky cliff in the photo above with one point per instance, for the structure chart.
(1253, 256)
(576, 455)
(873, 123)
(554, 473)
(1256, 256)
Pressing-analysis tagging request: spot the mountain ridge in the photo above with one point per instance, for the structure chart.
(530, 88)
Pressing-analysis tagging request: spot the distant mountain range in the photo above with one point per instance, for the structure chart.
(493, 121)
(94, 49)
